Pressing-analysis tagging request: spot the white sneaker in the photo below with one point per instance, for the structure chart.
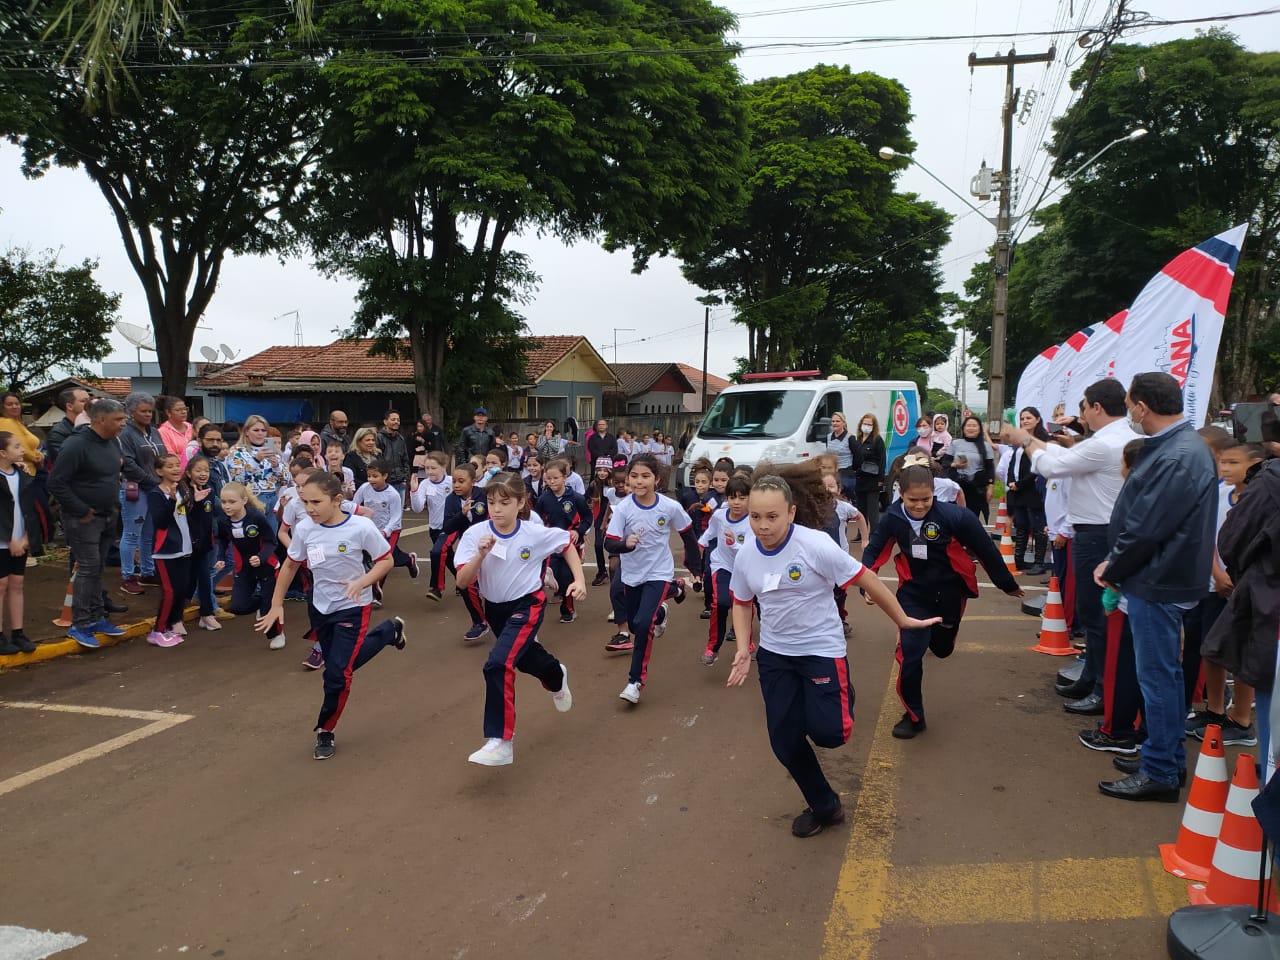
(660, 627)
(494, 753)
(179, 628)
(562, 698)
(210, 623)
(277, 642)
(630, 693)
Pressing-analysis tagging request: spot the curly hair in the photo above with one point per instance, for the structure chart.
(813, 501)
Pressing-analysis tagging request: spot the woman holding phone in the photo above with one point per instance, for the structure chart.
(255, 462)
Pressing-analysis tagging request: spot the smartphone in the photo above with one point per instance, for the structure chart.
(1054, 427)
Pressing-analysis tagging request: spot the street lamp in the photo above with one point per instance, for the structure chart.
(1135, 134)
(888, 153)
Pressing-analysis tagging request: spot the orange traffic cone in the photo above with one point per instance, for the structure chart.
(1192, 856)
(1002, 519)
(1233, 875)
(1055, 638)
(64, 619)
(1006, 551)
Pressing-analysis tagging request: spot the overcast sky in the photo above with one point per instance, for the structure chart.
(587, 291)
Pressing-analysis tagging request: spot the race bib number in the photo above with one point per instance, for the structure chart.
(499, 550)
(315, 555)
(771, 581)
(920, 551)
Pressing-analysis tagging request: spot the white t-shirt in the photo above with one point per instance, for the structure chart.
(651, 560)
(19, 526)
(295, 511)
(1228, 497)
(335, 554)
(430, 496)
(574, 483)
(728, 535)
(793, 584)
(846, 513)
(387, 507)
(182, 545)
(513, 568)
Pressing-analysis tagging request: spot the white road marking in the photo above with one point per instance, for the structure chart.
(19, 943)
(160, 722)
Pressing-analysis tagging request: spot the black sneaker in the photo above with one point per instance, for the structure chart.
(680, 592)
(704, 615)
(1233, 734)
(434, 594)
(906, 728)
(1095, 739)
(19, 640)
(809, 824)
(324, 746)
(477, 631)
(1201, 719)
(110, 606)
(600, 580)
(413, 566)
(619, 643)
(399, 641)
(697, 586)
(7, 647)
(567, 617)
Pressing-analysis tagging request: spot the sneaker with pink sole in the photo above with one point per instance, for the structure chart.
(158, 639)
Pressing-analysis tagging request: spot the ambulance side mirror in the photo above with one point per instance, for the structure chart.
(820, 430)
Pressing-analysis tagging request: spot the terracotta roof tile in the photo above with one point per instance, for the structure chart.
(549, 352)
(117, 387)
(714, 384)
(638, 378)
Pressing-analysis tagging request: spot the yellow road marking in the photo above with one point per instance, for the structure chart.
(160, 721)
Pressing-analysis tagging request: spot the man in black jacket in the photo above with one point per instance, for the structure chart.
(73, 400)
(1162, 538)
(86, 483)
(476, 437)
(602, 443)
(395, 451)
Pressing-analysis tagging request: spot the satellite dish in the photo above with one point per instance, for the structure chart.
(228, 352)
(209, 354)
(143, 338)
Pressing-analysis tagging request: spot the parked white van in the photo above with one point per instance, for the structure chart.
(784, 418)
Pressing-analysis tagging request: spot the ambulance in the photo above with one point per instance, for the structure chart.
(786, 417)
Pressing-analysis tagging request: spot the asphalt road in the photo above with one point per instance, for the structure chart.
(653, 831)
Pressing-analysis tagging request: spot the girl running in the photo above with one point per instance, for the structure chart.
(333, 457)
(843, 514)
(201, 518)
(600, 482)
(791, 571)
(332, 544)
(728, 530)
(388, 515)
(505, 557)
(462, 507)
(936, 578)
(429, 493)
(243, 526)
(639, 532)
(168, 504)
(561, 507)
(620, 642)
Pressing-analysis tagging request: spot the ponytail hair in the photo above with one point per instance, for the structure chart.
(245, 494)
(815, 506)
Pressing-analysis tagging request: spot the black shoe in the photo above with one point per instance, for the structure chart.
(697, 586)
(1039, 570)
(7, 647)
(906, 728)
(110, 606)
(809, 824)
(1140, 787)
(399, 641)
(19, 640)
(324, 746)
(1069, 675)
(1096, 739)
(704, 615)
(1077, 634)
(434, 594)
(1130, 765)
(1090, 706)
(600, 580)
(1074, 691)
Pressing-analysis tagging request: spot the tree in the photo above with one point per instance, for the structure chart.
(1213, 109)
(199, 156)
(820, 256)
(51, 317)
(458, 125)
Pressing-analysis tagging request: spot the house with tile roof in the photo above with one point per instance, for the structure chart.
(715, 385)
(648, 388)
(566, 376)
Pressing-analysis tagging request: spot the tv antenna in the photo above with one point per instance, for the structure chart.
(209, 354)
(142, 338)
(228, 352)
(297, 325)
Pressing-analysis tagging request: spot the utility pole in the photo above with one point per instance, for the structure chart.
(1000, 313)
(706, 335)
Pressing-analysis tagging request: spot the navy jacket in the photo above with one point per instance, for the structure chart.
(1164, 522)
(455, 521)
(168, 535)
(568, 512)
(258, 539)
(945, 533)
(27, 503)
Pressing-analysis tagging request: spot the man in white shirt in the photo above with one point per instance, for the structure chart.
(1093, 464)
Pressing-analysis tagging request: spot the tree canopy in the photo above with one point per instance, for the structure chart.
(1209, 162)
(455, 126)
(824, 262)
(51, 317)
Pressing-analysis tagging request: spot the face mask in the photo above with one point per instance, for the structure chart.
(865, 429)
(923, 431)
(1135, 424)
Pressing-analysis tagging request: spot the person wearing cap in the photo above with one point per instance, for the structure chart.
(477, 438)
(601, 443)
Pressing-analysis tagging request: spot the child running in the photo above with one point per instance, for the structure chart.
(19, 535)
(561, 507)
(620, 642)
(843, 514)
(332, 544)
(936, 578)
(200, 518)
(791, 570)
(388, 514)
(429, 493)
(462, 508)
(167, 505)
(243, 526)
(601, 483)
(639, 532)
(729, 530)
(505, 558)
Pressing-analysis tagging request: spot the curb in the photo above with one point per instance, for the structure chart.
(63, 648)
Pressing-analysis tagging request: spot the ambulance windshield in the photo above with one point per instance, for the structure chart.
(756, 414)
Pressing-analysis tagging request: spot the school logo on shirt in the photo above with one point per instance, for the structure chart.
(251, 530)
(208, 507)
(567, 507)
(931, 531)
(342, 546)
(525, 553)
(742, 538)
(662, 521)
(180, 509)
(479, 508)
(795, 573)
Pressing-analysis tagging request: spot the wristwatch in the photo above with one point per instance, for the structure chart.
(1027, 442)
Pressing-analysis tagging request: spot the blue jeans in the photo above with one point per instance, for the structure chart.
(1157, 650)
(1088, 549)
(269, 500)
(138, 535)
(1262, 705)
